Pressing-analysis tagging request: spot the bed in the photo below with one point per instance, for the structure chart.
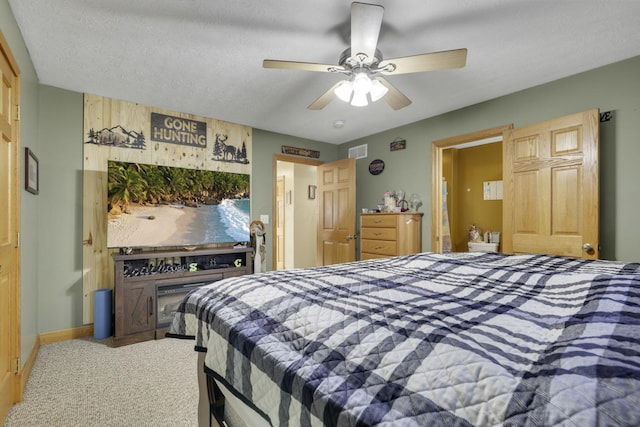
(458, 339)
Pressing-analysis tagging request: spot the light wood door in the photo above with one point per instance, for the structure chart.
(9, 226)
(551, 187)
(337, 212)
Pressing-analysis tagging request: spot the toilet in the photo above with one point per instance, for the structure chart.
(483, 247)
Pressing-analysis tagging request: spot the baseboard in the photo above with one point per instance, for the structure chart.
(46, 338)
(24, 374)
(66, 334)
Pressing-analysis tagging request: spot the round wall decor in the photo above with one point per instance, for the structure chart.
(376, 167)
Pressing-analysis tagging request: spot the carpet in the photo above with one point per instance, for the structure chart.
(88, 382)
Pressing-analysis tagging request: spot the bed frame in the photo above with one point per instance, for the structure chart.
(219, 406)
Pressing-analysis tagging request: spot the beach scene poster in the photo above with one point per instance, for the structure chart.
(156, 206)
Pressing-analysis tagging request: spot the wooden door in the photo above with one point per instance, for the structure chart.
(9, 225)
(337, 212)
(551, 187)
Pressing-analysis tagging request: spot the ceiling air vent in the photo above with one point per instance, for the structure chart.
(359, 152)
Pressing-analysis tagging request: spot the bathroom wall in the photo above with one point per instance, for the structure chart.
(471, 167)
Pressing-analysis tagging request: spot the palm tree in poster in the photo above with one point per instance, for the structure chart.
(126, 185)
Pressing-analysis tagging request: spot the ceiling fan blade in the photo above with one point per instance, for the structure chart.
(304, 66)
(366, 20)
(394, 97)
(325, 98)
(427, 62)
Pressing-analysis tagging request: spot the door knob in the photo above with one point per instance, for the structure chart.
(350, 237)
(587, 247)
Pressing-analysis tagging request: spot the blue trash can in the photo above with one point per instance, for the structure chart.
(102, 313)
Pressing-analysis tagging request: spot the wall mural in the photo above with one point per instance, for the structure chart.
(117, 136)
(120, 131)
(184, 134)
(228, 153)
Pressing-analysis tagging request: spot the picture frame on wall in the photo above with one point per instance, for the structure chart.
(31, 172)
(398, 144)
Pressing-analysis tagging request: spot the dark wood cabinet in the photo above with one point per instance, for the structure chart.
(140, 278)
(139, 301)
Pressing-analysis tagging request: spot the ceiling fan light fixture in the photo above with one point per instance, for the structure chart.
(378, 90)
(363, 63)
(361, 84)
(359, 99)
(344, 91)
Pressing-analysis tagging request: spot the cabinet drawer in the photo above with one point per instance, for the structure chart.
(378, 233)
(381, 247)
(378, 220)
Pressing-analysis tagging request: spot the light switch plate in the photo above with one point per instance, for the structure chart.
(264, 219)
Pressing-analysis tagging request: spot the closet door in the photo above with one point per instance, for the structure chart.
(10, 364)
(550, 173)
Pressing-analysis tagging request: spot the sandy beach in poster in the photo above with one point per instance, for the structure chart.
(173, 224)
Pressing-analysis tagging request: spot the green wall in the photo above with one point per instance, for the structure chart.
(611, 88)
(60, 221)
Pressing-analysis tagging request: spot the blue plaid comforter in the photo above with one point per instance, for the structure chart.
(428, 340)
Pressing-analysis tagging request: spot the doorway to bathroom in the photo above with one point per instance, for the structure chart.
(461, 167)
(472, 194)
(550, 186)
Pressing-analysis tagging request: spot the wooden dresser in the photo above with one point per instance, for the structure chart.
(390, 234)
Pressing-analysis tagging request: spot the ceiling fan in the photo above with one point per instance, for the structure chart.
(364, 65)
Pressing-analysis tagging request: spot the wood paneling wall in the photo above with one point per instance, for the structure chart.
(105, 113)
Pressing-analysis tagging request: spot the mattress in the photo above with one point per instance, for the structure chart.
(431, 339)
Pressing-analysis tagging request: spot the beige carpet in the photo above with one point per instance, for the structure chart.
(87, 382)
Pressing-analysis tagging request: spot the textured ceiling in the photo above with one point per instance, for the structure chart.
(205, 56)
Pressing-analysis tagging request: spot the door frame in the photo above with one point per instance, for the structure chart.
(437, 148)
(17, 381)
(274, 207)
